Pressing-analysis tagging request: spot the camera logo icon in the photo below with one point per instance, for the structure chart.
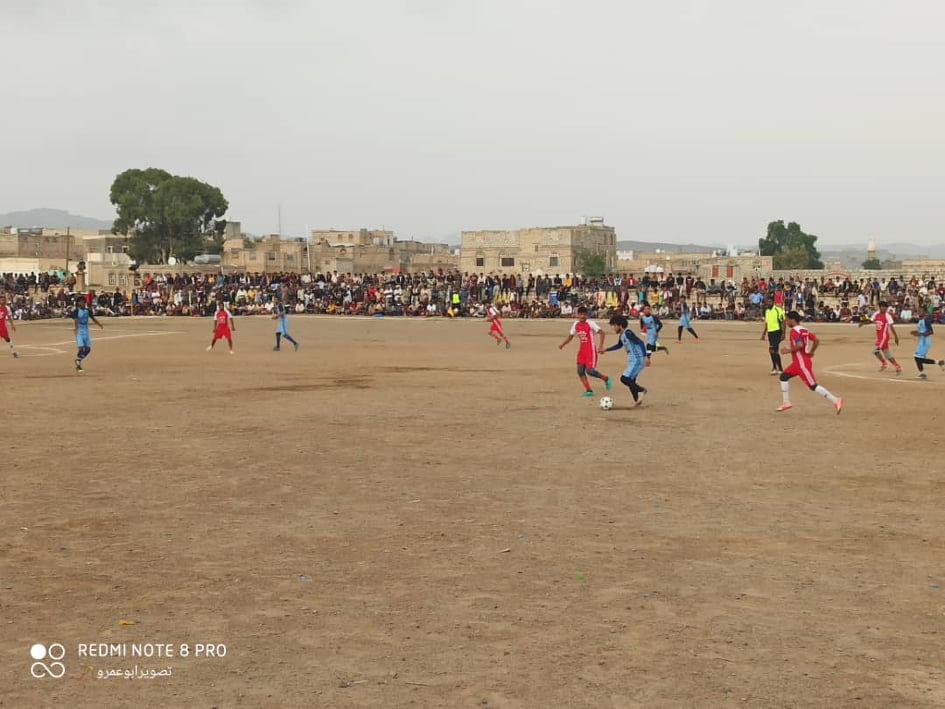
(47, 661)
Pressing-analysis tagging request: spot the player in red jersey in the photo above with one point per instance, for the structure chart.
(6, 316)
(803, 344)
(585, 330)
(495, 328)
(223, 326)
(883, 320)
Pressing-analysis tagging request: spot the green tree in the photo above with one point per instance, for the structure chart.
(872, 264)
(591, 264)
(790, 246)
(167, 215)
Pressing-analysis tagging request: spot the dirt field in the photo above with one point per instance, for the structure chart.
(404, 514)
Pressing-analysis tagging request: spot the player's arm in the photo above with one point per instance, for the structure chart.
(92, 318)
(566, 341)
(600, 340)
(642, 349)
(10, 318)
(619, 344)
(815, 343)
(229, 318)
(892, 329)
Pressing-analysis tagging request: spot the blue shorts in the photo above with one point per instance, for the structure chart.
(83, 339)
(283, 327)
(923, 349)
(684, 321)
(633, 371)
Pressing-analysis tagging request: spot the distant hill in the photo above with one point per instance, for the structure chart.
(52, 219)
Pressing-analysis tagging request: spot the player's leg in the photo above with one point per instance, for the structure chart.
(785, 380)
(278, 341)
(679, 335)
(693, 333)
(592, 371)
(582, 375)
(878, 353)
(631, 385)
(920, 361)
(5, 336)
(774, 344)
(892, 360)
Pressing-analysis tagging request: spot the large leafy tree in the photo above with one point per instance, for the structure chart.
(790, 246)
(591, 264)
(167, 215)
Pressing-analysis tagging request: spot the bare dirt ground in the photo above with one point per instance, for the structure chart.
(404, 514)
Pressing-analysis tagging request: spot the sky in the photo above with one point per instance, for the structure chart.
(686, 121)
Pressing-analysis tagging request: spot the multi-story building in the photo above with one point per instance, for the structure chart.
(539, 250)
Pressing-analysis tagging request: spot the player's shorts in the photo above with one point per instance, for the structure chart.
(684, 321)
(633, 370)
(881, 345)
(922, 350)
(588, 359)
(4, 335)
(222, 333)
(803, 369)
(83, 339)
(496, 327)
(283, 326)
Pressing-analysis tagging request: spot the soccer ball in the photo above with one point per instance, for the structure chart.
(606, 403)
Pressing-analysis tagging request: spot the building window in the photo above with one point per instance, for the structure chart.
(252, 255)
(507, 261)
(290, 258)
(553, 261)
(480, 261)
(271, 255)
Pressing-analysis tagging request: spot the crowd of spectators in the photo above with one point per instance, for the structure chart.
(455, 294)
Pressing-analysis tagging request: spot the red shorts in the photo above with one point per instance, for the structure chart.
(222, 333)
(588, 358)
(496, 327)
(803, 368)
(4, 335)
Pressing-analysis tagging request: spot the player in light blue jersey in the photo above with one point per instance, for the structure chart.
(80, 326)
(638, 356)
(652, 325)
(924, 334)
(685, 320)
(282, 330)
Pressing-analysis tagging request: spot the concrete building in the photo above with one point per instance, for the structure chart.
(707, 266)
(270, 254)
(539, 250)
(359, 237)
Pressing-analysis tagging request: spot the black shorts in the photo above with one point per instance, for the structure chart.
(774, 339)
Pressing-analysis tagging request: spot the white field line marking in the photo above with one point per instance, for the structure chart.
(49, 351)
(50, 345)
(878, 377)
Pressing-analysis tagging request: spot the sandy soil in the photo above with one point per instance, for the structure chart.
(404, 514)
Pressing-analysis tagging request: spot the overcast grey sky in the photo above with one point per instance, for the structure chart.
(683, 120)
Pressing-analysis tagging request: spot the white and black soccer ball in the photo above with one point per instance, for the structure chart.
(606, 403)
